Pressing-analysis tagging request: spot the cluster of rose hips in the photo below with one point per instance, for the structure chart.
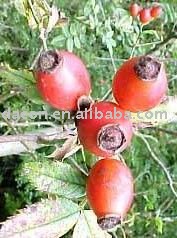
(145, 14)
(138, 85)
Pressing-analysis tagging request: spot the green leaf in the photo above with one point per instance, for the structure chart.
(33, 95)
(21, 78)
(20, 6)
(169, 12)
(87, 227)
(56, 178)
(73, 30)
(65, 31)
(159, 224)
(150, 32)
(92, 22)
(93, 2)
(77, 42)
(25, 81)
(56, 40)
(69, 44)
(46, 219)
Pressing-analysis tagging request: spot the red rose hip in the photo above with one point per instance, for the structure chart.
(145, 15)
(134, 9)
(61, 79)
(110, 191)
(103, 132)
(140, 84)
(156, 11)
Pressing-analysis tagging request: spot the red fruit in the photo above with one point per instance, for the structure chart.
(107, 135)
(134, 9)
(140, 84)
(110, 191)
(145, 15)
(61, 79)
(156, 11)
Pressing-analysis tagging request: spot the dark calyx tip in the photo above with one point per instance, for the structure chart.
(84, 103)
(107, 223)
(147, 68)
(111, 138)
(48, 61)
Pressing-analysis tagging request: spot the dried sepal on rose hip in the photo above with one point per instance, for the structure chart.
(140, 84)
(104, 134)
(110, 191)
(61, 79)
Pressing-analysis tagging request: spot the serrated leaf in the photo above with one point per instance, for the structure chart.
(87, 227)
(56, 178)
(46, 219)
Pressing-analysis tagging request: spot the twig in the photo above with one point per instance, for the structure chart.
(25, 124)
(168, 205)
(83, 203)
(22, 141)
(78, 166)
(164, 42)
(33, 12)
(123, 232)
(159, 162)
(15, 48)
(113, 234)
(44, 31)
(40, 138)
(11, 144)
(83, 156)
(106, 96)
(137, 41)
(36, 58)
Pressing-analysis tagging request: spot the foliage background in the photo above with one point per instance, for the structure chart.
(103, 34)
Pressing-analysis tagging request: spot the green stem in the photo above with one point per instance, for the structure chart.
(137, 41)
(164, 42)
(33, 12)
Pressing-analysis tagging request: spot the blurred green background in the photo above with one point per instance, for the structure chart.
(103, 34)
